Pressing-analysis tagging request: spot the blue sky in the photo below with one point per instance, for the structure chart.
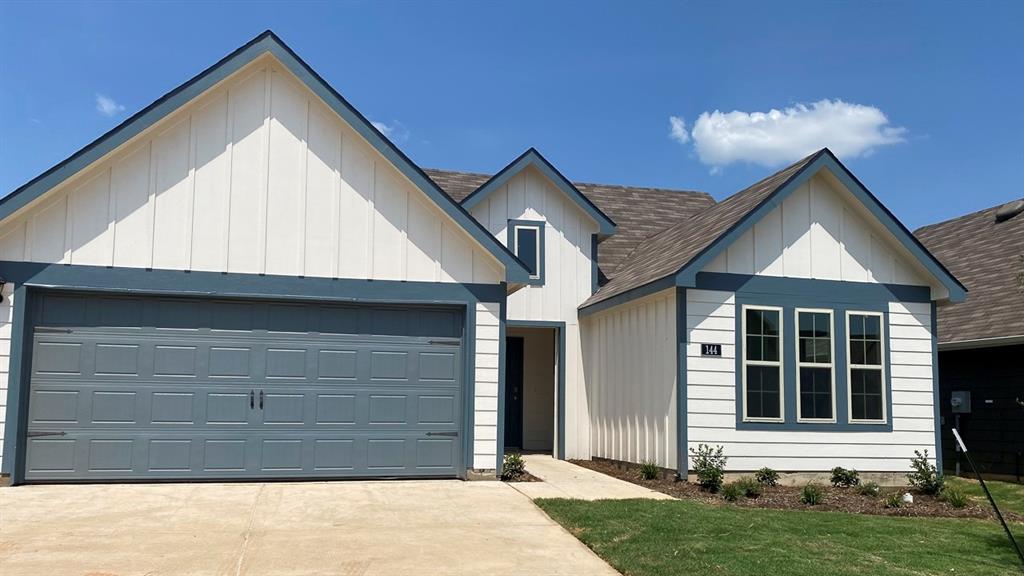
(923, 101)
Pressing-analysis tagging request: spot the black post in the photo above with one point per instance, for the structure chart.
(991, 501)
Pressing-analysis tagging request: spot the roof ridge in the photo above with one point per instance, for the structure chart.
(581, 183)
(965, 216)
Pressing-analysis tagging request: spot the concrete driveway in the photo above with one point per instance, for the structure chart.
(337, 528)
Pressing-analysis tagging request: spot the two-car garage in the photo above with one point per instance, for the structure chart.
(158, 388)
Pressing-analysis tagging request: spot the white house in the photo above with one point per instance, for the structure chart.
(247, 280)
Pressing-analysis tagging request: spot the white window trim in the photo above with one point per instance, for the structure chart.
(745, 362)
(831, 365)
(850, 366)
(515, 245)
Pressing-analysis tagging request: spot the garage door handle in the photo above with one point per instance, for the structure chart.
(37, 434)
(447, 341)
(53, 330)
(261, 399)
(450, 434)
(252, 399)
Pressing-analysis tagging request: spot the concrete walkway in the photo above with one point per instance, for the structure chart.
(562, 479)
(337, 528)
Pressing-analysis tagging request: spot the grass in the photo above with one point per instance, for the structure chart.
(651, 537)
(1009, 496)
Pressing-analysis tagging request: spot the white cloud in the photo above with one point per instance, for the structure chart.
(396, 131)
(107, 106)
(677, 130)
(779, 136)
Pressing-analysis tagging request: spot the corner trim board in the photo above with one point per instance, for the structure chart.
(682, 427)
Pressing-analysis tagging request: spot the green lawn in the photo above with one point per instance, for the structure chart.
(651, 537)
(1009, 496)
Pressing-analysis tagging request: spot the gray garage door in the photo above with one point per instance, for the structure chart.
(158, 388)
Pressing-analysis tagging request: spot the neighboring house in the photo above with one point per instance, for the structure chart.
(247, 280)
(981, 341)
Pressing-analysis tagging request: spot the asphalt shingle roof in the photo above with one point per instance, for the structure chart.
(986, 256)
(667, 252)
(639, 212)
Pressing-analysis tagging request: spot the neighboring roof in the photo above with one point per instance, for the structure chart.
(173, 100)
(638, 212)
(682, 250)
(605, 225)
(988, 256)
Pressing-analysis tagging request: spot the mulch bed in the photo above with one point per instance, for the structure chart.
(526, 477)
(788, 497)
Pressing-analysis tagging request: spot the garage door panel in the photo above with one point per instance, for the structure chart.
(179, 396)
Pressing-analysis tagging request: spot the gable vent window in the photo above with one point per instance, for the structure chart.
(527, 242)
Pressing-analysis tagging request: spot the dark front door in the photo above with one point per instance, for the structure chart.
(130, 388)
(514, 392)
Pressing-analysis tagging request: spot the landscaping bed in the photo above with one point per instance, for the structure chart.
(789, 497)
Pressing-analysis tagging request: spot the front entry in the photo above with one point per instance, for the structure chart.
(530, 382)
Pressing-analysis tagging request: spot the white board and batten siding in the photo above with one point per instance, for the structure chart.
(255, 176)
(711, 398)
(529, 195)
(818, 233)
(630, 364)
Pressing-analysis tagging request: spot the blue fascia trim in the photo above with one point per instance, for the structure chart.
(532, 157)
(559, 326)
(594, 270)
(686, 276)
(502, 364)
(839, 306)
(252, 286)
(936, 396)
(638, 292)
(812, 288)
(541, 233)
(469, 400)
(682, 431)
(265, 42)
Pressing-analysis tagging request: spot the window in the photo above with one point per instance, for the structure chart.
(762, 363)
(866, 366)
(815, 373)
(528, 245)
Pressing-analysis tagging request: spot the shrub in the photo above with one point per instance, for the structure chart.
(954, 496)
(812, 495)
(512, 467)
(924, 477)
(766, 477)
(732, 491)
(649, 470)
(750, 487)
(843, 478)
(893, 500)
(869, 489)
(709, 464)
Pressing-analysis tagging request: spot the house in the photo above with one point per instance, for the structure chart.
(981, 341)
(247, 280)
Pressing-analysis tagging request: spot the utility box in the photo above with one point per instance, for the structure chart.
(961, 401)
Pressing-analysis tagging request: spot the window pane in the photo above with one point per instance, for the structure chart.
(806, 325)
(771, 348)
(872, 353)
(866, 394)
(816, 393)
(526, 248)
(762, 399)
(754, 348)
(770, 319)
(753, 321)
(857, 327)
(856, 351)
(872, 328)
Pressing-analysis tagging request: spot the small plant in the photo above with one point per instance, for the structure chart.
(954, 496)
(869, 489)
(766, 477)
(750, 487)
(843, 478)
(649, 470)
(893, 500)
(924, 476)
(732, 491)
(812, 495)
(709, 464)
(512, 467)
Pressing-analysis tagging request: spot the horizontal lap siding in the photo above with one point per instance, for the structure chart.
(568, 278)
(629, 359)
(485, 402)
(711, 399)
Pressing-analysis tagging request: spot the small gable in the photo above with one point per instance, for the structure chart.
(819, 231)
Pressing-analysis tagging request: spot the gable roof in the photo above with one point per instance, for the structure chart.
(267, 42)
(605, 225)
(639, 212)
(986, 255)
(684, 249)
